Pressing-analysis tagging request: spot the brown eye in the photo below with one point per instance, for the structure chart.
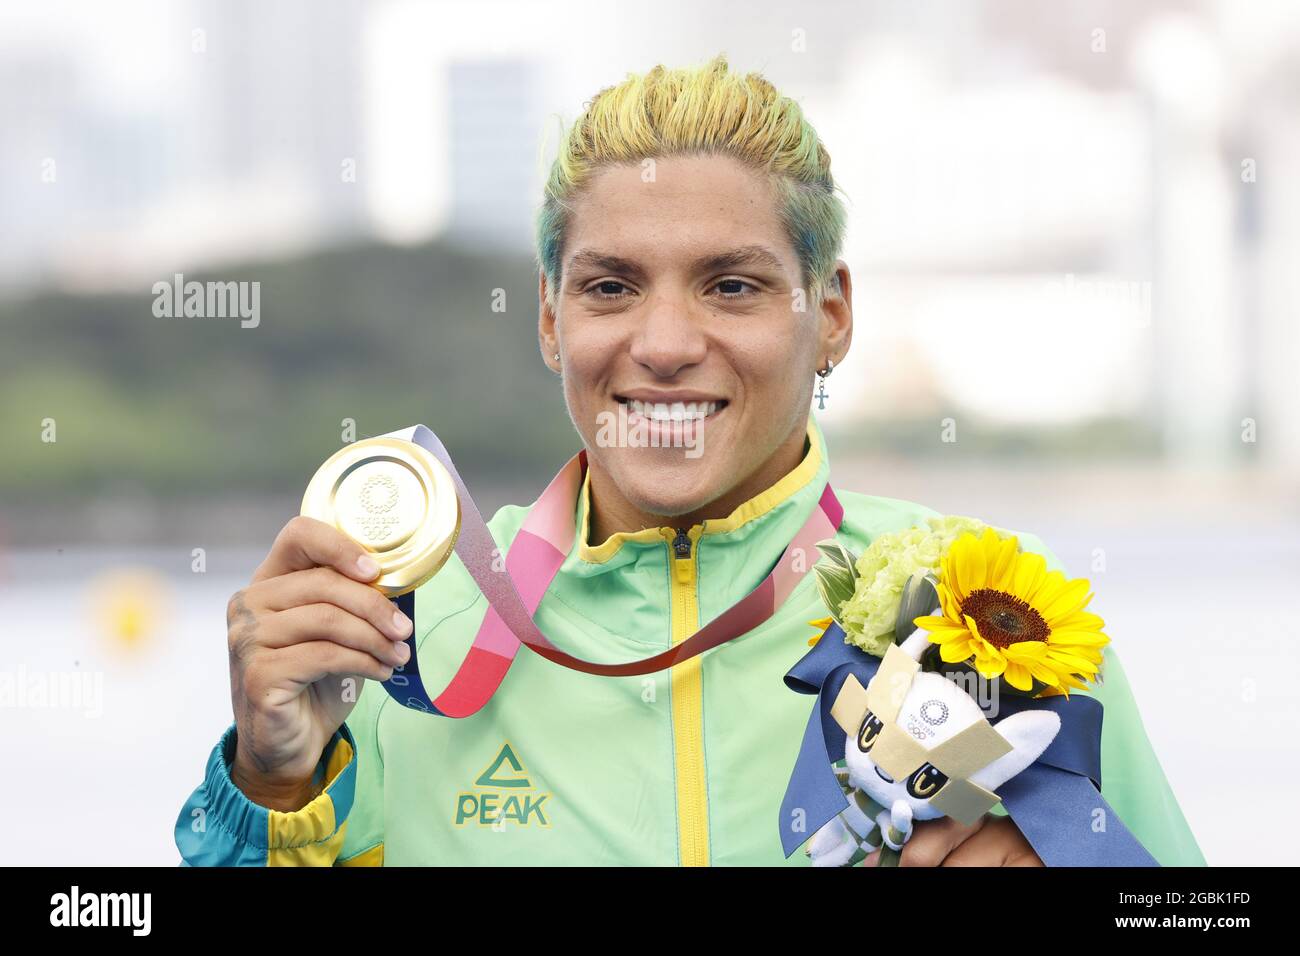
(607, 289)
(926, 782)
(736, 288)
(870, 730)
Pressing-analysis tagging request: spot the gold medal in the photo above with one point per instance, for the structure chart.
(396, 500)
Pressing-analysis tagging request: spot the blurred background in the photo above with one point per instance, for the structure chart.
(1074, 243)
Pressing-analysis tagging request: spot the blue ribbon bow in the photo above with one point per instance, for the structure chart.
(1055, 801)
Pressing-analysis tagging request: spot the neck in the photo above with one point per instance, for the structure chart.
(611, 512)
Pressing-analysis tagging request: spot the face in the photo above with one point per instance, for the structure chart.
(677, 300)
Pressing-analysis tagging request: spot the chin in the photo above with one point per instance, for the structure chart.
(668, 508)
(665, 496)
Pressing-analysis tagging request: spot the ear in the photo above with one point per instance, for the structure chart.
(1029, 733)
(547, 335)
(836, 332)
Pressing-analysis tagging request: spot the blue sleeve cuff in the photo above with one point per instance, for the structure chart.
(220, 826)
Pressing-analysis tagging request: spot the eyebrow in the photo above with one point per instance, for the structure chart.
(753, 255)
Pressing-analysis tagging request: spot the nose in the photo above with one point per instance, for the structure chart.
(670, 337)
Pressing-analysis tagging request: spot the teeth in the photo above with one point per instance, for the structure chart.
(676, 412)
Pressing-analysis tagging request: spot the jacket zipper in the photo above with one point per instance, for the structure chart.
(687, 683)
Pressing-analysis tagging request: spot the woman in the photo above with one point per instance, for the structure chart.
(688, 254)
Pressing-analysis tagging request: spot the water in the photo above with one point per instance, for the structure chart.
(105, 788)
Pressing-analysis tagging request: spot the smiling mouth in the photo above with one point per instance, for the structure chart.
(669, 412)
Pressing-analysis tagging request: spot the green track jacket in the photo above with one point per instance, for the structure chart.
(686, 766)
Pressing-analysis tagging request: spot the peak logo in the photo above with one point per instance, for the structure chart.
(503, 794)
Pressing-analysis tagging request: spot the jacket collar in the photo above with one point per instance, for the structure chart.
(813, 470)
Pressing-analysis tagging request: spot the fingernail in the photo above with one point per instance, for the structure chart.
(401, 623)
(367, 566)
(403, 652)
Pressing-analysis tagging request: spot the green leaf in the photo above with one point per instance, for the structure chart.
(836, 555)
(837, 576)
(919, 598)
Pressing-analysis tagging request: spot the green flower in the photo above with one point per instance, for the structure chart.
(864, 594)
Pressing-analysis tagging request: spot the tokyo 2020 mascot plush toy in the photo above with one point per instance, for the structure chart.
(918, 747)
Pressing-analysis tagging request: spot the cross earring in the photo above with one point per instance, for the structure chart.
(822, 394)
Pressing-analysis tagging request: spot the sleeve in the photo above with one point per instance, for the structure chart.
(220, 826)
(1132, 780)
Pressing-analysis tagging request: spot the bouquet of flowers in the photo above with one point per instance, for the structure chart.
(1001, 612)
(954, 598)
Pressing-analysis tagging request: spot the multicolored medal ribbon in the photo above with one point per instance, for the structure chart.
(401, 496)
(1055, 802)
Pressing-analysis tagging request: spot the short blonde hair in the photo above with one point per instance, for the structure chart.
(697, 110)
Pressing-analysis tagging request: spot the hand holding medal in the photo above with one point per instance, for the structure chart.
(301, 637)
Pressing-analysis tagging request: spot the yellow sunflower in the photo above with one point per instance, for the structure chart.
(1014, 617)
